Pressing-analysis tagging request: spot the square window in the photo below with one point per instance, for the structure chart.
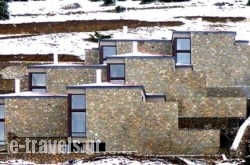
(183, 58)
(117, 70)
(37, 82)
(183, 44)
(38, 79)
(116, 73)
(108, 51)
(78, 101)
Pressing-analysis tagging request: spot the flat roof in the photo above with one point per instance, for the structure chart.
(104, 85)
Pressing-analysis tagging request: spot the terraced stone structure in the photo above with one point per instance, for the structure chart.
(186, 95)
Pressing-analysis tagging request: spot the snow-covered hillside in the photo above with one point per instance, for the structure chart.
(74, 43)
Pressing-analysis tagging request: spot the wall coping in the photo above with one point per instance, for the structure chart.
(66, 66)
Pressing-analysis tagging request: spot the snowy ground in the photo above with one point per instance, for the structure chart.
(74, 43)
(121, 160)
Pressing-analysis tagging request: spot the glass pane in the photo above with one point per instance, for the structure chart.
(78, 124)
(183, 44)
(39, 90)
(1, 132)
(78, 102)
(38, 79)
(107, 51)
(117, 70)
(2, 111)
(183, 58)
(118, 81)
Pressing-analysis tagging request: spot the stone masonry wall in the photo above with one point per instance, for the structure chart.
(36, 116)
(183, 84)
(150, 72)
(120, 118)
(151, 47)
(225, 63)
(59, 78)
(193, 142)
(92, 56)
(155, 47)
(213, 107)
(124, 47)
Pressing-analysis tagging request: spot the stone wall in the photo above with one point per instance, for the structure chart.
(120, 118)
(124, 47)
(236, 91)
(213, 106)
(147, 46)
(152, 73)
(59, 78)
(225, 63)
(183, 84)
(12, 72)
(92, 56)
(36, 116)
(192, 142)
(155, 47)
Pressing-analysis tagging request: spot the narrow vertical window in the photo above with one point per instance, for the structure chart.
(116, 73)
(38, 82)
(2, 125)
(182, 51)
(77, 115)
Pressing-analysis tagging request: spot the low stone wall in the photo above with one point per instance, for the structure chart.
(213, 107)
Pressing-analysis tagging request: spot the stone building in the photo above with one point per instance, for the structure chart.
(187, 95)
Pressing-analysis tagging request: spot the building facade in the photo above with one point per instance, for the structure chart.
(186, 95)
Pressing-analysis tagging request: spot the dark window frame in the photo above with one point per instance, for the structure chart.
(2, 120)
(31, 87)
(102, 58)
(176, 51)
(109, 78)
(70, 110)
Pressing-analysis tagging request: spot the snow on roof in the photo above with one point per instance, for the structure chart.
(28, 94)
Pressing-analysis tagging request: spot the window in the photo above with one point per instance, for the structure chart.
(107, 51)
(38, 82)
(2, 130)
(182, 51)
(116, 73)
(77, 113)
